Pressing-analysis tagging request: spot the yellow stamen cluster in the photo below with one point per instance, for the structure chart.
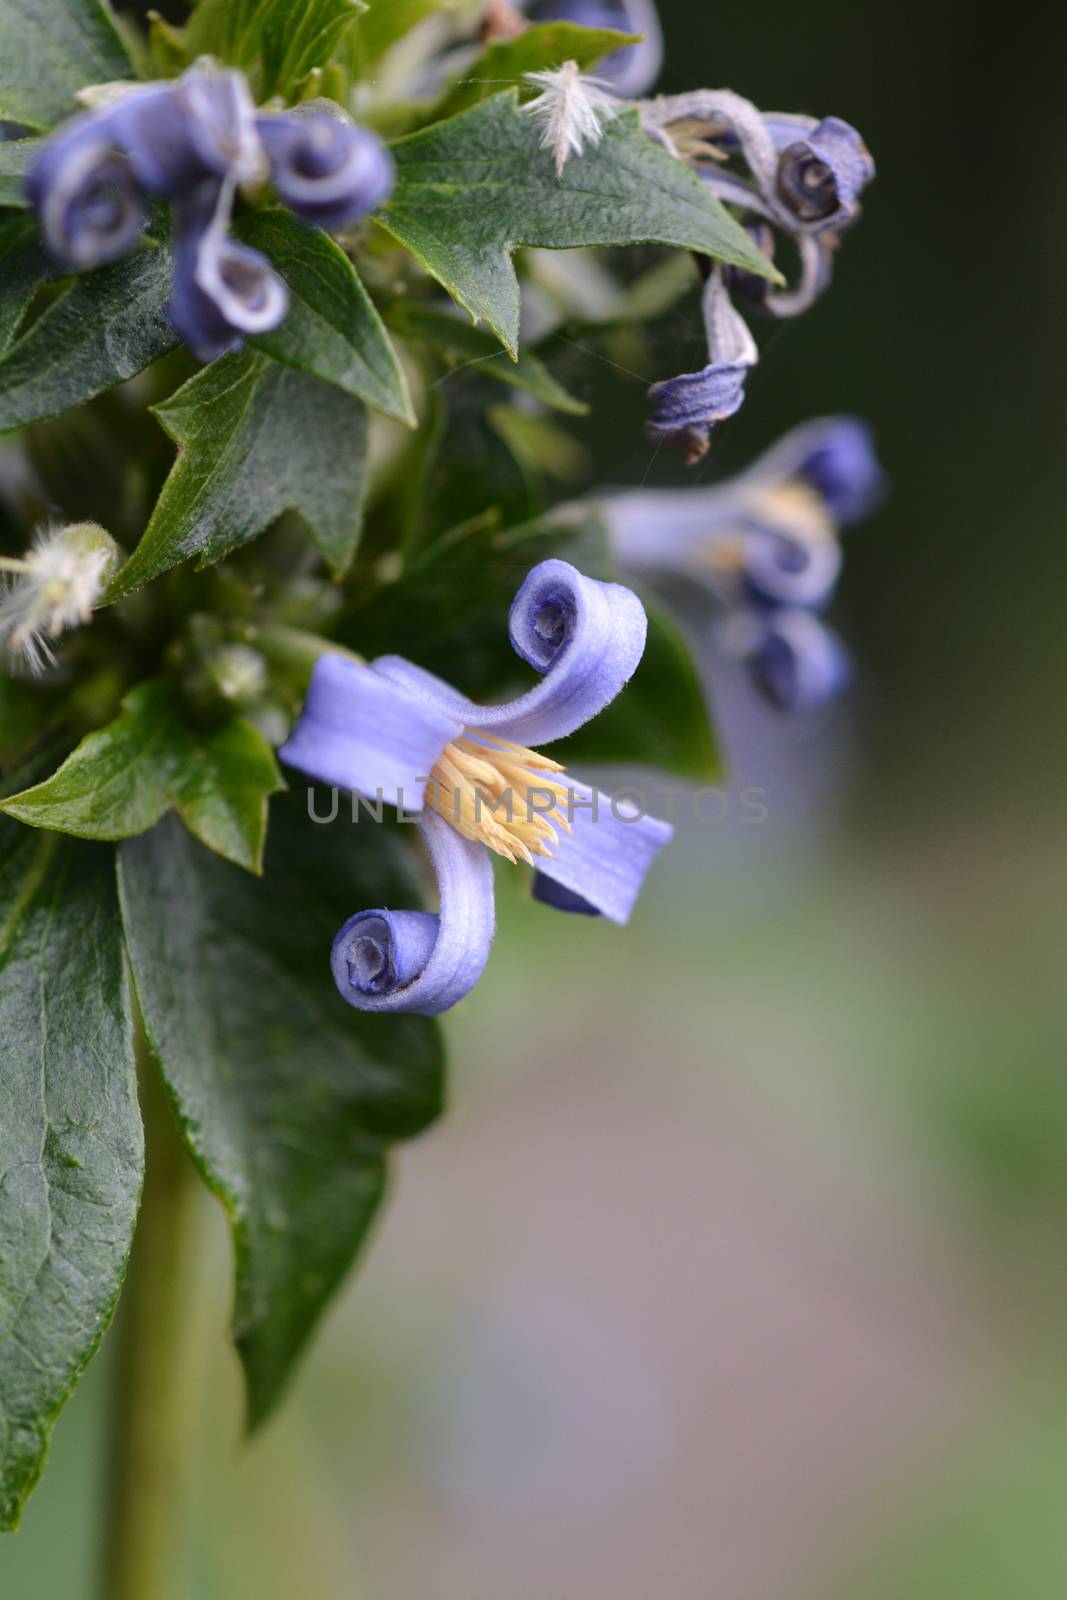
(497, 793)
(792, 506)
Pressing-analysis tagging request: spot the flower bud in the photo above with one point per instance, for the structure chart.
(325, 169)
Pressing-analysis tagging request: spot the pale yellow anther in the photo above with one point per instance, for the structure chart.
(495, 792)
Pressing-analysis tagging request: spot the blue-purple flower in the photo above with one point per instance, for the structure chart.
(391, 732)
(766, 545)
(326, 170)
(195, 142)
(632, 71)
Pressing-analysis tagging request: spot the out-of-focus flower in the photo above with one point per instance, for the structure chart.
(325, 169)
(391, 732)
(53, 588)
(766, 545)
(85, 196)
(571, 110)
(223, 291)
(685, 409)
(178, 134)
(629, 72)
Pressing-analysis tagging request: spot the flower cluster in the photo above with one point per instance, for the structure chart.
(194, 143)
(395, 734)
(766, 545)
(785, 175)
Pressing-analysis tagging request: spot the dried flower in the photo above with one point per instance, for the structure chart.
(55, 586)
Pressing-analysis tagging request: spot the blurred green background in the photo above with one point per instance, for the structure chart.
(737, 1268)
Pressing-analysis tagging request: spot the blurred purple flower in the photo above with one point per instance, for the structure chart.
(391, 731)
(325, 169)
(223, 291)
(85, 196)
(629, 72)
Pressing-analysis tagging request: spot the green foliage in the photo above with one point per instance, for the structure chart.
(70, 1134)
(276, 42)
(121, 780)
(287, 1099)
(477, 351)
(15, 158)
(549, 45)
(24, 267)
(255, 439)
(332, 331)
(471, 190)
(49, 49)
(104, 328)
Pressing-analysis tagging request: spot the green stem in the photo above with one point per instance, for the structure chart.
(154, 1428)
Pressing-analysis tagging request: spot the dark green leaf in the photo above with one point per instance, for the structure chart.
(472, 189)
(16, 156)
(287, 1098)
(332, 331)
(120, 780)
(49, 49)
(549, 45)
(281, 40)
(71, 1149)
(254, 439)
(24, 267)
(106, 327)
(477, 349)
(660, 720)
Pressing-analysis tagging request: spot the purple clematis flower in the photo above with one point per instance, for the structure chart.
(390, 731)
(177, 134)
(86, 196)
(685, 409)
(326, 170)
(766, 545)
(629, 72)
(223, 291)
(822, 170)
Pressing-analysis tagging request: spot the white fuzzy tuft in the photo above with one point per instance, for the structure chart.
(52, 588)
(572, 110)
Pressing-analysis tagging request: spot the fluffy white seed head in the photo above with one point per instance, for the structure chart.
(55, 586)
(571, 109)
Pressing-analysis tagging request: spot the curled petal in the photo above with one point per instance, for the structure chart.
(783, 570)
(223, 290)
(366, 734)
(585, 636)
(413, 961)
(836, 457)
(821, 176)
(797, 663)
(85, 196)
(599, 867)
(327, 170)
(688, 407)
(631, 71)
(178, 134)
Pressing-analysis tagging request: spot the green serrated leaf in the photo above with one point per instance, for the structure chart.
(661, 718)
(279, 41)
(549, 44)
(71, 1147)
(471, 190)
(24, 267)
(479, 350)
(106, 327)
(255, 439)
(287, 1098)
(49, 49)
(16, 156)
(332, 330)
(151, 759)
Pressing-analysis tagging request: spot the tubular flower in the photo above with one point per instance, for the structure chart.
(766, 545)
(195, 142)
(54, 587)
(628, 72)
(391, 731)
